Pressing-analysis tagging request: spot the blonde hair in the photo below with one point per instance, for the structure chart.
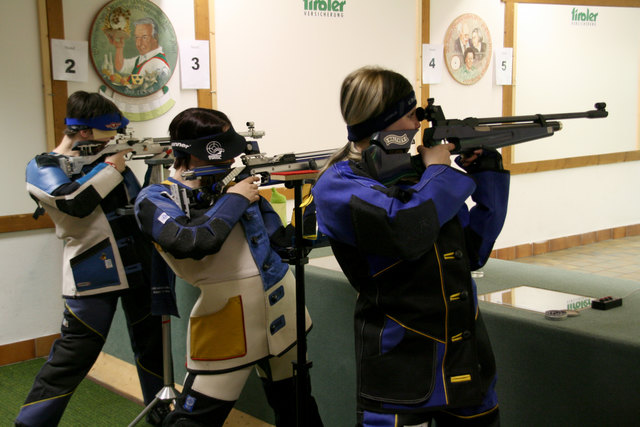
(365, 93)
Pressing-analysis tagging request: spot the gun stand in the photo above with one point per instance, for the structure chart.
(167, 393)
(300, 369)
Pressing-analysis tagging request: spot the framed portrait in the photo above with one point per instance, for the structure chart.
(467, 48)
(133, 47)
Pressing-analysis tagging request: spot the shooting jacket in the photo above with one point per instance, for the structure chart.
(246, 309)
(408, 251)
(104, 249)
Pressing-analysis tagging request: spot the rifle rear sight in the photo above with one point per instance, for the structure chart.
(252, 132)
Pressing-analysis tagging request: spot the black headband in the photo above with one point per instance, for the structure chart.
(364, 129)
(219, 147)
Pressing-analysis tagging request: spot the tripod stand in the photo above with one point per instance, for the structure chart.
(167, 393)
(301, 366)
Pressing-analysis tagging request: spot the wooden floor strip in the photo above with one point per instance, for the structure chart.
(121, 377)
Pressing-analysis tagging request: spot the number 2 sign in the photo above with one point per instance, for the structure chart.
(69, 60)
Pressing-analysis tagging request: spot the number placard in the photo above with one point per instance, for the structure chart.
(69, 60)
(504, 65)
(432, 62)
(194, 64)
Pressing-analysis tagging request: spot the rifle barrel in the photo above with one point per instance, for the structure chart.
(591, 114)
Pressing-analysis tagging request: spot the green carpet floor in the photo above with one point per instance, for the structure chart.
(91, 405)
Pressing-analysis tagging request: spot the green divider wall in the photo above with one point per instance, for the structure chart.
(330, 301)
(582, 371)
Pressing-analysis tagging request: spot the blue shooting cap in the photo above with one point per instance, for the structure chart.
(106, 122)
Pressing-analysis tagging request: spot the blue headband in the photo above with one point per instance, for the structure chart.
(368, 127)
(113, 121)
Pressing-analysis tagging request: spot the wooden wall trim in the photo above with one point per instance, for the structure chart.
(560, 243)
(45, 55)
(205, 30)
(572, 162)
(509, 91)
(24, 222)
(26, 350)
(607, 3)
(54, 91)
(425, 29)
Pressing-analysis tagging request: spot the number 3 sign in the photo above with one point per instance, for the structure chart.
(194, 64)
(69, 60)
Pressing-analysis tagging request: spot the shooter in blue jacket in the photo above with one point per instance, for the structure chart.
(407, 242)
(221, 238)
(105, 259)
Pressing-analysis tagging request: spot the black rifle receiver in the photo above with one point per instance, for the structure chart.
(493, 132)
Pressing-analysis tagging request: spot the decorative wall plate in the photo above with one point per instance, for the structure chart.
(467, 48)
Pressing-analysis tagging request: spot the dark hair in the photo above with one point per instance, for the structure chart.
(194, 123)
(86, 105)
(469, 50)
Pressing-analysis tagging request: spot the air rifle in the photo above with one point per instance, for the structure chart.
(148, 149)
(263, 165)
(494, 132)
(255, 163)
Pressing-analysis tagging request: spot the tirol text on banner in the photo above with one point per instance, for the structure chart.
(432, 60)
(194, 64)
(69, 60)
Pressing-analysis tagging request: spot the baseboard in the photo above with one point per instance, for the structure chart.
(26, 350)
(538, 248)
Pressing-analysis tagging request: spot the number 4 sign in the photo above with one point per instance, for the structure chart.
(69, 60)
(432, 60)
(194, 64)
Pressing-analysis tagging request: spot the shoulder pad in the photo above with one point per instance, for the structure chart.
(47, 159)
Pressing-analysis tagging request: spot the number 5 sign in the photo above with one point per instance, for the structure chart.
(69, 60)
(194, 64)
(504, 65)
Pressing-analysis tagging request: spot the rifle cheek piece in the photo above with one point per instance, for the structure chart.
(387, 168)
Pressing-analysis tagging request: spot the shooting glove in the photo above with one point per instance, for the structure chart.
(489, 160)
